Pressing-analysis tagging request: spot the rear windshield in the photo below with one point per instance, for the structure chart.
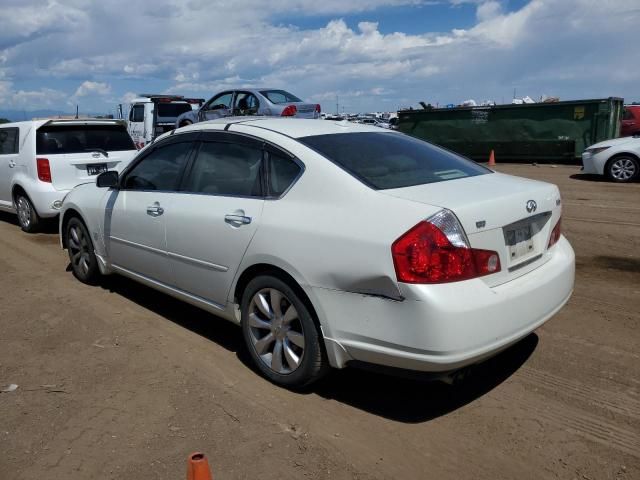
(52, 139)
(172, 110)
(279, 96)
(391, 160)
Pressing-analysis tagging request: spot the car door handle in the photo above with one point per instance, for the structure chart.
(155, 210)
(12, 164)
(242, 219)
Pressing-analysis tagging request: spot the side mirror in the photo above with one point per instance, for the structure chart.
(107, 179)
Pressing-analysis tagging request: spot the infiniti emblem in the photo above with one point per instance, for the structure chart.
(531, 206)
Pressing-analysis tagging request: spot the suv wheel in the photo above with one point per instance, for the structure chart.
(84, 263)
(281, 335)
(28, 218)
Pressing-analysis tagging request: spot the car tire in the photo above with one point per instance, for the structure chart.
(84, 263)
(28, 218)
(623, 168)
(281, 335)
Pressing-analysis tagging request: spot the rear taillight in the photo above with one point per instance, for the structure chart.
(289, 111)
(555, 234)
(318, 108)
(438, 251)
(44, 169)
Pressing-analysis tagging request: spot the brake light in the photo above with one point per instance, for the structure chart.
(44, 169)
(437, 251)
(318, 108)
(555, 234)
(289, 111)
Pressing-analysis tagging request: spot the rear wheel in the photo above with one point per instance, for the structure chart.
(622, 169)
(28, 218)
(280, 333)
(84, 263)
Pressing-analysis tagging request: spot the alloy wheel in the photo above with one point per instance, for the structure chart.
(79, 249)
(24, 211)
(276, 331)
(623, 169)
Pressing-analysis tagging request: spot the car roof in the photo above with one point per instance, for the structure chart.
(291, 127)
(54, 121)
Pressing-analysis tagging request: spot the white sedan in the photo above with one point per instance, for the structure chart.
(618, 159)
(330, 243)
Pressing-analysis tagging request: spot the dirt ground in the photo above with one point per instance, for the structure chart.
(121, 382)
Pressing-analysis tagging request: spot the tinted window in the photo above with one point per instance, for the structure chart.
(172, 109)
(279, 96)
(9, 140)
(137, 113)
(389, 160)
(221, 101)
(53, 139)
(160, 170)
(282, 172)
(226, 169)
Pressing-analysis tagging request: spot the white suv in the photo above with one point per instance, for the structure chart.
(42, 160)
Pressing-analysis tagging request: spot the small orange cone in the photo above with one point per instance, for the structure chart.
(492, 159)
(198, 467)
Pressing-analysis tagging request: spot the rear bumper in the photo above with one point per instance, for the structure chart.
(439, 328)
(43, 196)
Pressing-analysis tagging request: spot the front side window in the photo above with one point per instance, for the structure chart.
(282, 172)
(137, 113)
(246, 104)
(280, 96)
(59, 139)
(226, 169)
(220, 102)
(392, 160)
(160, 170)
(9, 140)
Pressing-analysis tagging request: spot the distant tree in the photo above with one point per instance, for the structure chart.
(5, 120)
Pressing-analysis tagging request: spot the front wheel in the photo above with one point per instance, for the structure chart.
(280, 333)
(84, 263)
(623, 169)
(28, 218)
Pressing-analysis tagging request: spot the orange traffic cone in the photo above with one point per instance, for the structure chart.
(492, 159)
(198, 467)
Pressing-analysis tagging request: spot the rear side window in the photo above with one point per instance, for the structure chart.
(59, 139)
(137, 113)
(226, 169)
(9, 140)
(172, 110)
(279, 96)
(282, 173)
(391, 160)
(161, 169)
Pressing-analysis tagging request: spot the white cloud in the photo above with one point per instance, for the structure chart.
(92, 88)
(183, 47)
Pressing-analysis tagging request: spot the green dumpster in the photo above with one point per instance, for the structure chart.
(557, 131)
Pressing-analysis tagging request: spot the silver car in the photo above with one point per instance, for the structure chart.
(270, 102)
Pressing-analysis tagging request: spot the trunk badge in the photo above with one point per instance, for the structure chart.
(481, 224)
(95, 155)
(532, 206)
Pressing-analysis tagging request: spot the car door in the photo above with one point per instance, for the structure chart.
(245, 103)
(136, 126)
(213, 219)
(218, 107)
(135, 218)
(9, 138)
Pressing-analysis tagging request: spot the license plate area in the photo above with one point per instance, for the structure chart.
(96, 168)
(519, 241)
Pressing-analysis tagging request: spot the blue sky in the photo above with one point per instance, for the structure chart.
(373, 54)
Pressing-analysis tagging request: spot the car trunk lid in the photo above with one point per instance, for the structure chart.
(510, 215)
(78, 151)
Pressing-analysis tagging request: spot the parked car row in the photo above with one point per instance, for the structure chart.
(329, 243)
